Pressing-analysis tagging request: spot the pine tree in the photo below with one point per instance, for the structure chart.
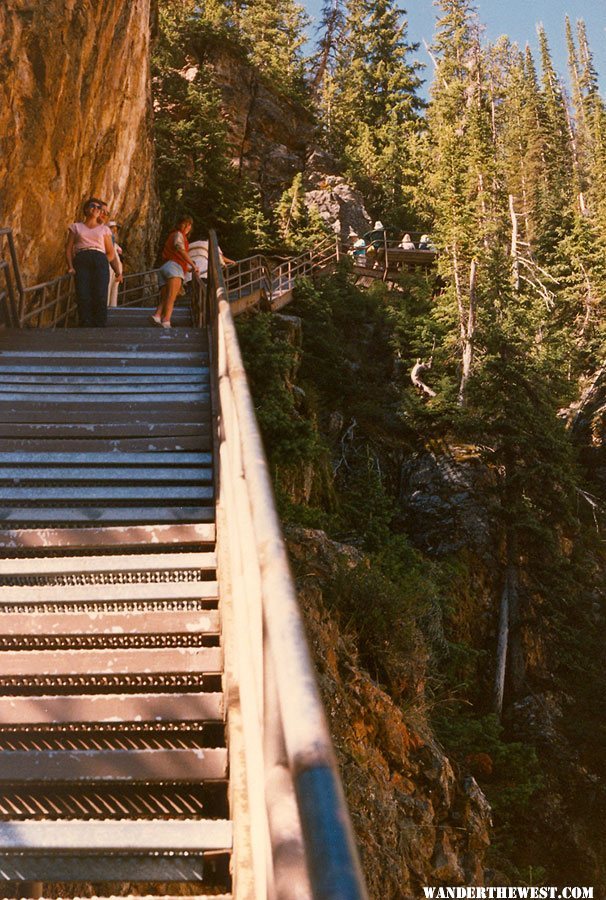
(300, 226)
(521, 148)
(275, 31)
(461, 181)
(594, 122)
(330, 29)
(558, 194)
(193, 152)
(375, 106)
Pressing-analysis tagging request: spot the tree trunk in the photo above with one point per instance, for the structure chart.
(502, 644)
(415, 377)
(467, 319)
(510, 665)
(515, 266)
(517, 661)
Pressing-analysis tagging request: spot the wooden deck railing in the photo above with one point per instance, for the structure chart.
(300, 834)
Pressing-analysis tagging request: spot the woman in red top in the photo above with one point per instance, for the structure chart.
(171, 275)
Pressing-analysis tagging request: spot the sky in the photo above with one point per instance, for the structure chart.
(518, 19)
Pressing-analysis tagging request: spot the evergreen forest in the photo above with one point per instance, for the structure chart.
(477, 508)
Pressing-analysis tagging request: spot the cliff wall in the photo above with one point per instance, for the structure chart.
(418, 821)
(271, 134)
(75, 119)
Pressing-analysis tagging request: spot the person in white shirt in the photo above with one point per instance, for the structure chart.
(112, 292)
(198, 250)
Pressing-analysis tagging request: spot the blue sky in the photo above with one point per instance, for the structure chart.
(518, 19)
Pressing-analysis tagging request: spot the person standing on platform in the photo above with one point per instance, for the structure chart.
(90, 252)
(375, 245)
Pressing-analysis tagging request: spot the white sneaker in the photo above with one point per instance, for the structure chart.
(155, 320)
(166, 325)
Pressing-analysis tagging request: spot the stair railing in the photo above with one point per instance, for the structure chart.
(52, 303)
(255, 276)
(139, 289)
(300, 834)
(11, 287)
(46, 305)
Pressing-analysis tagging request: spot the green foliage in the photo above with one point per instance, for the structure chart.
(275, 32)
(516, 777)
(300, 227)
(193, 153)
(195, 158)
(290, 439)
(370, 105)
(381, 601)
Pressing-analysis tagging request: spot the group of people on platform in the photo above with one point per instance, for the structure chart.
(94, 258)
(369, 250)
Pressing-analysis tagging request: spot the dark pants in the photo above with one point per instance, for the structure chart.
(92, 282)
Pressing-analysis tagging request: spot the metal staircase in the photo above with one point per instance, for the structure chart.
(160, 728)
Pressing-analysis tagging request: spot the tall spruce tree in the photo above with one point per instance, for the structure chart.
(375, 105)
(461, 179)
(558, 195)
(275, 31)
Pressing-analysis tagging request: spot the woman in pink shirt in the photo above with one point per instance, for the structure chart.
(90, 252)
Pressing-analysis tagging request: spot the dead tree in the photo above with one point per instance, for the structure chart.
(416, 376)
(515, 265)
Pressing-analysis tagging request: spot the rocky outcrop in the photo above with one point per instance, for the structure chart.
(416, 821)
(270, 133)
(443, 501)
(339, 204)
(75, 120)
(274, 138)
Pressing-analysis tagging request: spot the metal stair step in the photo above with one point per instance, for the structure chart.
(87, 708)
(70, 766)
(68, 565)
(109, 515)
(113, 459)
(72, 593)
(173, 660)
(160, 850)
(187, 532)
(68, 622)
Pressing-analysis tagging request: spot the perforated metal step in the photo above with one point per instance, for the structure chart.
(113, 765)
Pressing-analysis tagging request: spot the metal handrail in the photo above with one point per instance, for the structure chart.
(12, 294)
(53, 303)
(298, 805)
(255, 274)
(139, 289)
(49, 304)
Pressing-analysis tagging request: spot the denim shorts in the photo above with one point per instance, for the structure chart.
(170, 269)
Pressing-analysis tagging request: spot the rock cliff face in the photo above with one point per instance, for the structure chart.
(270, 133)
(75, 119)
(416, 821)
(274, 138)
